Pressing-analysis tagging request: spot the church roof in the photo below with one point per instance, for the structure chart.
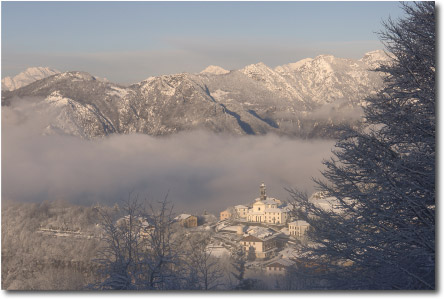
(270, 201)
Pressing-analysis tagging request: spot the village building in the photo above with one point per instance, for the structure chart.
(186, 220)
(264, 241)
(298, 228)
(279, 267)
(241, 211)
(263, 247)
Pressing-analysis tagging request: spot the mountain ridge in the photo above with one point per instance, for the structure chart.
(253, 100)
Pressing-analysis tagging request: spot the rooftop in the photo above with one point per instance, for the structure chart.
(281, 263)
(182, 217)
(299, 223)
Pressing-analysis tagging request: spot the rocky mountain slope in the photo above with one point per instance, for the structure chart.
(308, 98)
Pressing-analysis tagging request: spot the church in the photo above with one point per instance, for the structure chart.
(264, 210)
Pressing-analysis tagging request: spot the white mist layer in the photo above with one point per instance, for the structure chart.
(199, 170)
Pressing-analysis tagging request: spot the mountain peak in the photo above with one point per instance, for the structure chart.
(39, 70)
(325, 57)
(260, 64)
(309, 98)
(30, 75)
(293, 66)
(256, 68)
(214, 70)
(375, 58)
(376, 54)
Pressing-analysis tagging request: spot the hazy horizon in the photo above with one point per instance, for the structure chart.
(129, 42)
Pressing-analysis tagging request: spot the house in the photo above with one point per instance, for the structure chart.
(298, 228)
(263, 247)
(186, 220)
(278, 267)
(225, 214)
(262, 239)
(275, 215)
(241, 211)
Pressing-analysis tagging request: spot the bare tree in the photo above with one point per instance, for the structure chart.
(120, 255)
(161, 256)
(203, 269)
(139, 250)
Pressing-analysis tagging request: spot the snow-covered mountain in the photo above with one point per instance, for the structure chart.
(28, 76)
(214, 70)
(308, 98)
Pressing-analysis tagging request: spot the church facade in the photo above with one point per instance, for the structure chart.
(267, 210)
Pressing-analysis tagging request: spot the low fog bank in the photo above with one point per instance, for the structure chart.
(199, 170)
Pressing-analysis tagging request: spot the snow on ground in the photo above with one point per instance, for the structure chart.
(288, 253)
(259, 231)
(217, 251)
(219, 94)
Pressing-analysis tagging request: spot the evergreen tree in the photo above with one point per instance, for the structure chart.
(251, 254)
(381, 235)
(239, 259)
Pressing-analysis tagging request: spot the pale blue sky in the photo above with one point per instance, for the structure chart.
(130, 41)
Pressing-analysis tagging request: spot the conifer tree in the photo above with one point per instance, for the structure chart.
(239, 259)
(381, 234)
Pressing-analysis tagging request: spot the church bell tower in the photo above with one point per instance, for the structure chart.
(263, 194)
